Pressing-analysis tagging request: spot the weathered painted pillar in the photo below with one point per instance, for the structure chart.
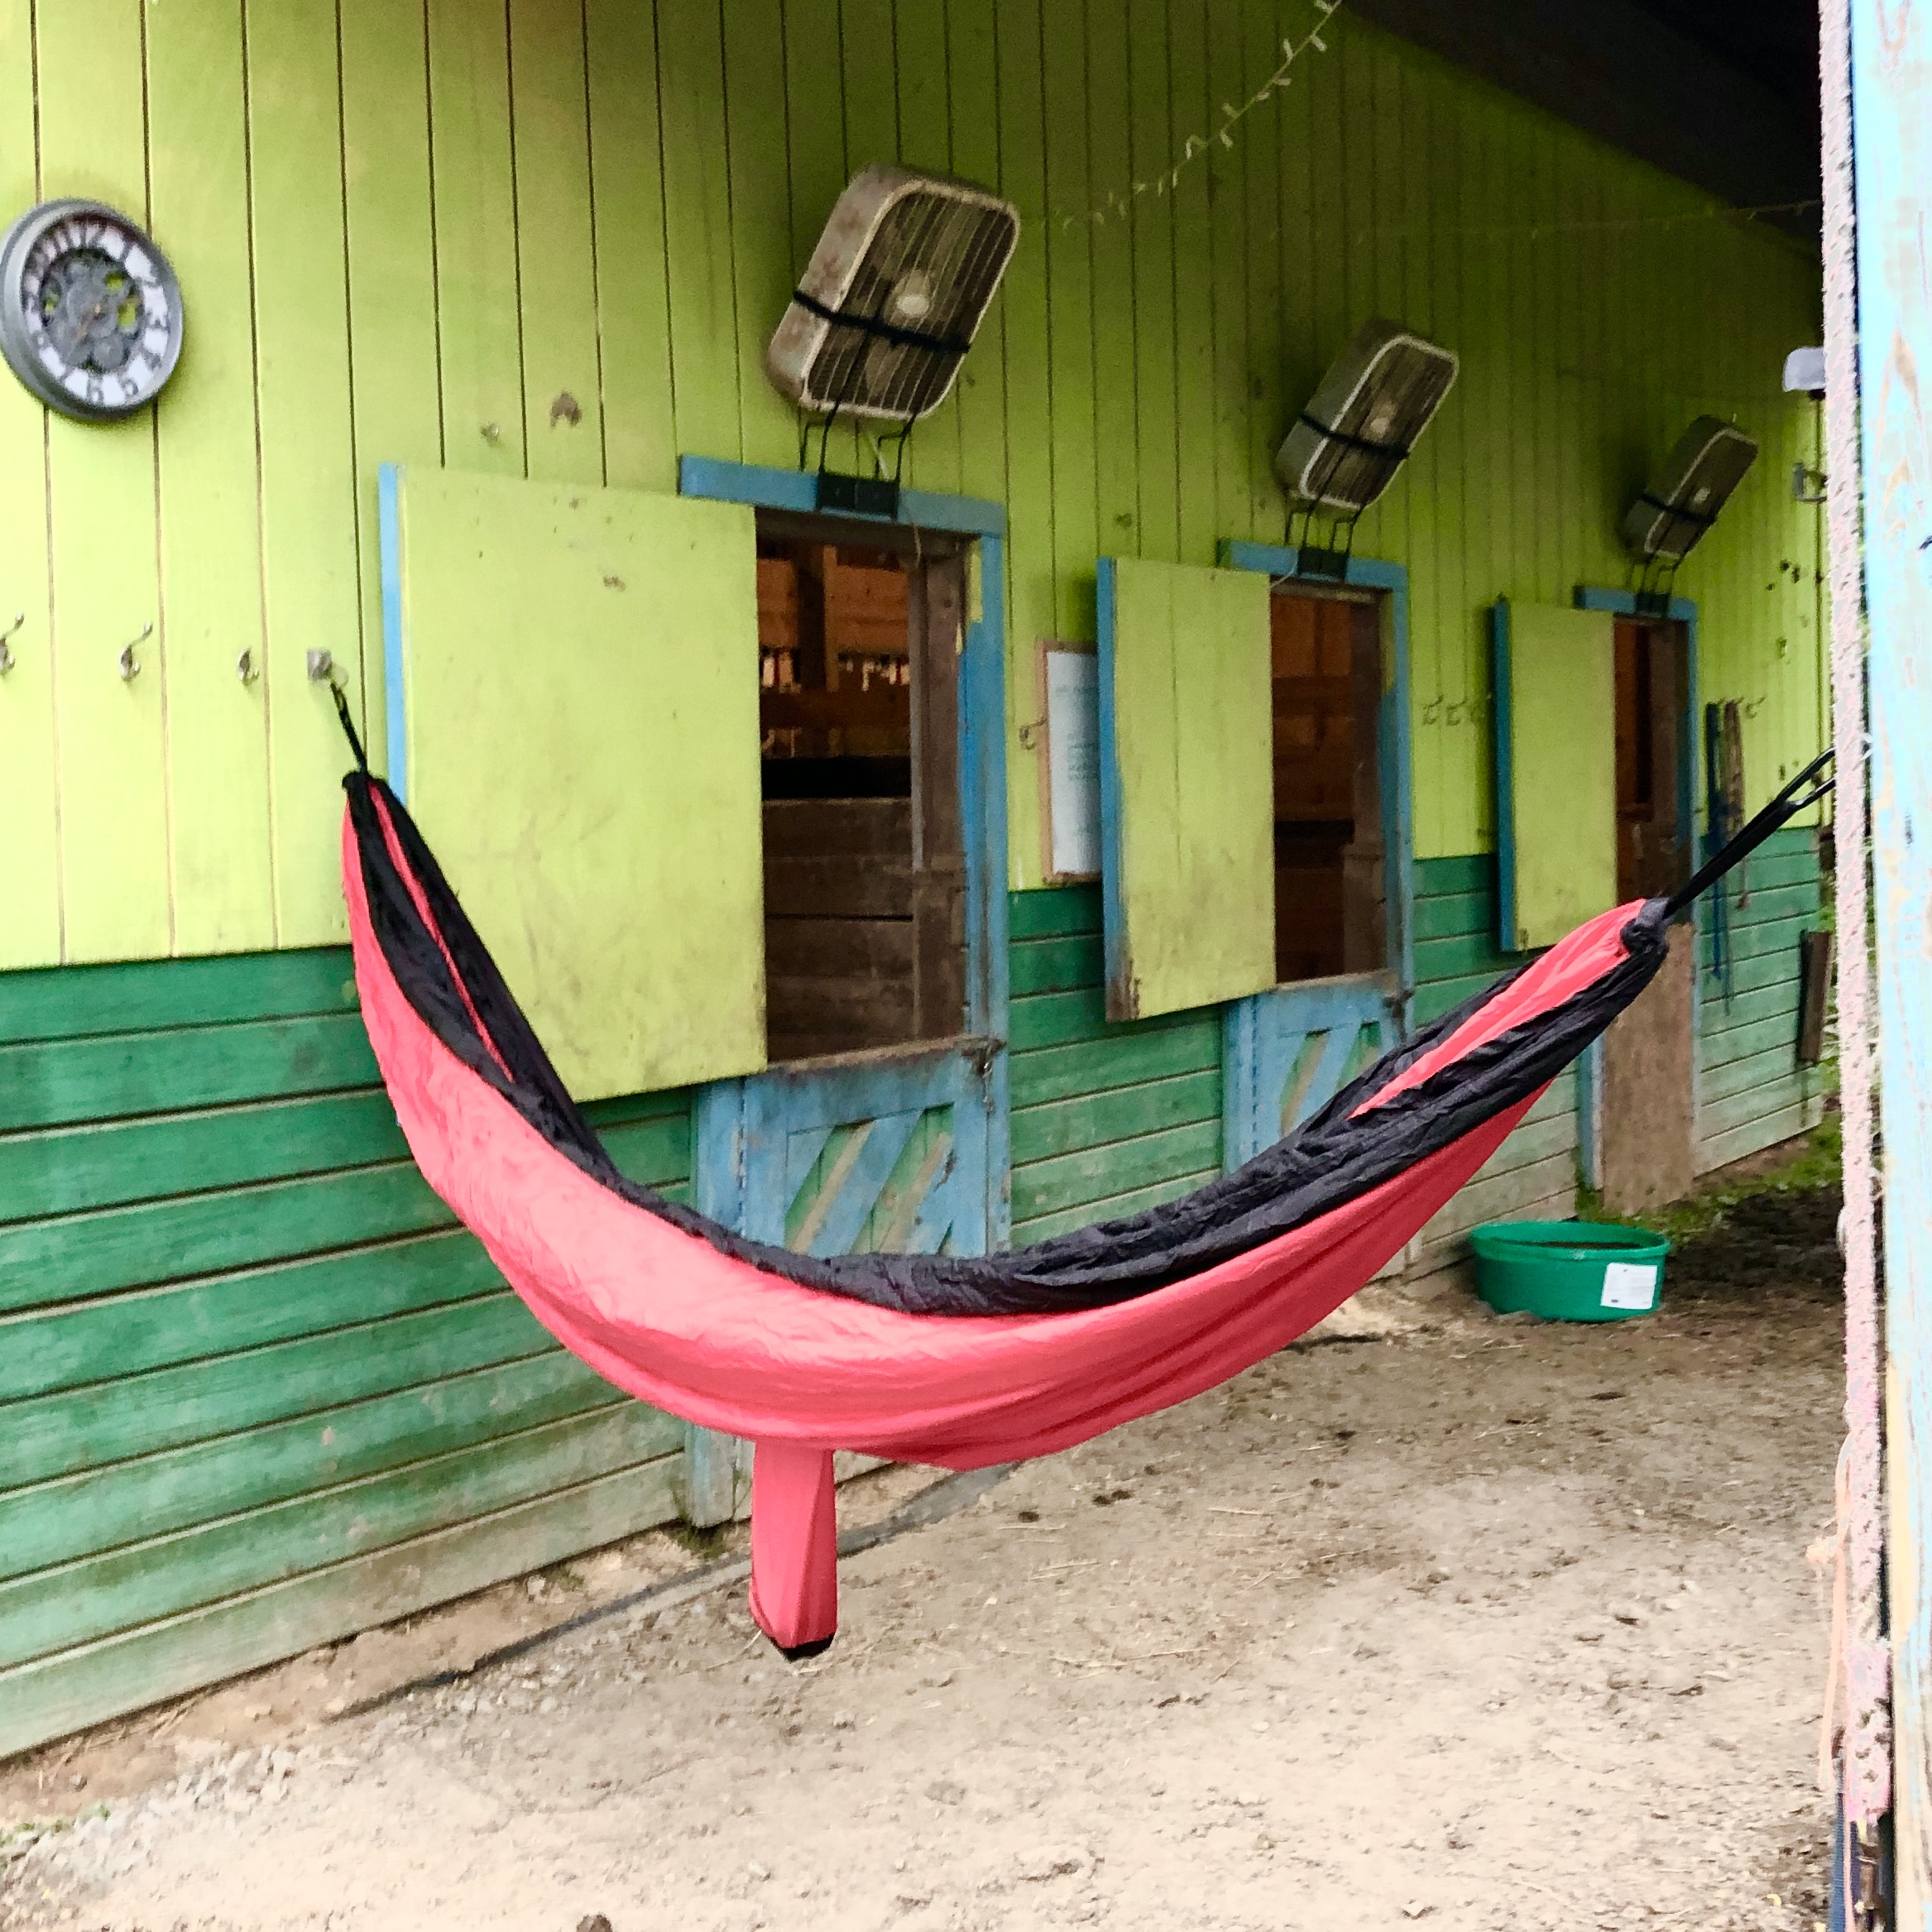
(1891, 104)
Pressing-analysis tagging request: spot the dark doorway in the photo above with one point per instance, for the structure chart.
(1648, 1111)
(1652, 691)
(1329, 914)
(864, 873)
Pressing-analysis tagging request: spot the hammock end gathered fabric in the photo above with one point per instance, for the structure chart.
(794, 1547)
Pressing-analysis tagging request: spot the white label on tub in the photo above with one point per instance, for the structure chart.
(1630, 1284)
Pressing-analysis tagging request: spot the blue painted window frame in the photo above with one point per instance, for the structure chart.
(982, 783)
(1394, 736)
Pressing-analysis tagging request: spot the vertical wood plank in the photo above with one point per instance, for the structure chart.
(562, 416)
(1261, 150)
(761, 223)
(972, 63)
(1029, 478)
(210, 570)
(313, 598)
(1070, 318)
(697, 228)
(479, 340)
(627, 214)
(1115, 343)
(924, 115)
(1892, 112)
(1157, 482)
(394, 391)
(29, 856)
(114, 800)
(868, 57)
(1227, 191)
(1193, 343)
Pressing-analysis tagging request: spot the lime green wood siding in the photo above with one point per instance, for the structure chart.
(583, 755)
(1187, 806)
(1106, 1119)
(1557, 781)
(550, 241)
(1752, 1093)
(256, 1389)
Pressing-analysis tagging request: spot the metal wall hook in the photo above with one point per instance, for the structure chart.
(6, 657)
(321, 666)
(245, 668)
(128, 665)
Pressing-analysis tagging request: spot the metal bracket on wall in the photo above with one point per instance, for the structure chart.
(126, 663)
(6, 657)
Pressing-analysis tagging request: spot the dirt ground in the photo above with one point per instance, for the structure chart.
(1435, 1617)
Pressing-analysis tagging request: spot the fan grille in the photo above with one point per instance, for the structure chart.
(1359, 428)
(927, 275)
(1709, 463)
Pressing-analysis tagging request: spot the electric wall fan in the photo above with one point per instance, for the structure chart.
(893, 296)
(1359, 426)
(1663, 526)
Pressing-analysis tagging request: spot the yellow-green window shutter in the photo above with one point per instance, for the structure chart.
(1555, 674)
(579, 673)
(1187, 785)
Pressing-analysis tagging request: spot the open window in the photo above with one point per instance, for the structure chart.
(1325, 676)
(859, 632)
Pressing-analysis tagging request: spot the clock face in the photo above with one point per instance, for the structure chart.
(90, 312)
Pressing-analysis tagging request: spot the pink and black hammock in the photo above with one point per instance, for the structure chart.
(953, 1361)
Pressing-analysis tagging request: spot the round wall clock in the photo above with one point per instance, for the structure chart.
(90, 312)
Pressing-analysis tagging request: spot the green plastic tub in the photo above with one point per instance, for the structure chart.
(1568, 1271)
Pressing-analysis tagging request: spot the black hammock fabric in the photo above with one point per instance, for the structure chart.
(448, 979)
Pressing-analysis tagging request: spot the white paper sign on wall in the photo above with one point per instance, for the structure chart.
(1070, 686)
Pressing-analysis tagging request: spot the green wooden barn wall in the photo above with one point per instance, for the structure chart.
(213, 1249)
(256, 1390)
(1750, 1092)
(392, 252)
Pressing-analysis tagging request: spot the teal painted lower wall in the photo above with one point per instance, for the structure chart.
(1750, 1092)
(1107, 1119)
(257, 1391)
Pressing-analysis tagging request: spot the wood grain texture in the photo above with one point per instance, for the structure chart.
(1138, 367)
(150, 1663)
(1556, 773)
(29, 856)
(208, 481)
(562, 413)
(639, 957)
(111, 730)
(1184, 693)
(391, 238)
(308, 531)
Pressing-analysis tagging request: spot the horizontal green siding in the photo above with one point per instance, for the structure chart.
(1533, 1174)
(253, 1378)
(1752, 1093)
(1107, 1120)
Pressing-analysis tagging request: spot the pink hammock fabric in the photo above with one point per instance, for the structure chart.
(667, 1317)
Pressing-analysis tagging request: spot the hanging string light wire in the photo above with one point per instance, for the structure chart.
(1118, 204)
